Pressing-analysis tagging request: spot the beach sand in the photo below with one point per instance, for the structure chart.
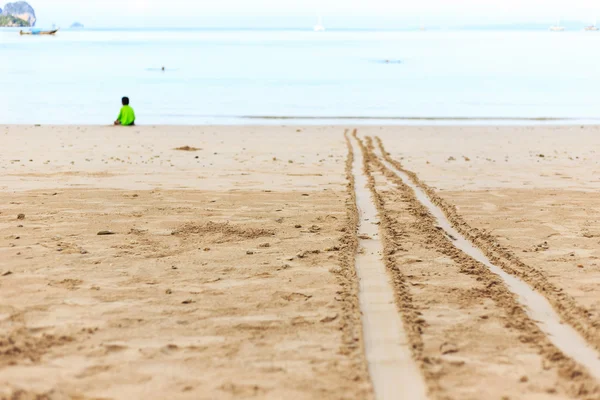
(224, 269)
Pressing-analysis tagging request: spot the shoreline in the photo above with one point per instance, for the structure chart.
(346, 122)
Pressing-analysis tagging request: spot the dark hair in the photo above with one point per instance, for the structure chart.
(125, 101)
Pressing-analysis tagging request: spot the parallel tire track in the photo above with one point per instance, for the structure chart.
(350, 320)
(569, 310)
(573, 378)
(394, 373)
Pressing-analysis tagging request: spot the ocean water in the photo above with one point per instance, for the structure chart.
(253, 76)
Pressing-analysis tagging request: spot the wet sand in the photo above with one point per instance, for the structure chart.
(226, 269)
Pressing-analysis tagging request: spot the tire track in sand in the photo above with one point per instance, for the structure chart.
(393, 372)
(470, 335)
(582, 319)
(563, 337)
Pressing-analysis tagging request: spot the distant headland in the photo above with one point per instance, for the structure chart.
(18, 14)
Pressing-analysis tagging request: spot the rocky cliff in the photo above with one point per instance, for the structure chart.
(10, 21)
(21, 10)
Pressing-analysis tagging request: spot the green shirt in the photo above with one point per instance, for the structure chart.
(126, 116)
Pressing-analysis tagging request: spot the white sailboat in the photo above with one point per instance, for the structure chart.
(557, 27)
(319, 27)
(593, 27)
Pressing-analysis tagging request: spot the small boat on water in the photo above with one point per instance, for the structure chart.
(39, 32)
(593, 27)
(557, 28)
(319, 27)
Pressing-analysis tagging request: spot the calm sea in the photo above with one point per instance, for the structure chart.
(243, 76)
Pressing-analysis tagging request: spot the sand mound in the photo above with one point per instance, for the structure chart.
(21, 344)
(187, 148)
(220, 232)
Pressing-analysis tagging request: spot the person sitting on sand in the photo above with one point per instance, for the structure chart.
(126, 116)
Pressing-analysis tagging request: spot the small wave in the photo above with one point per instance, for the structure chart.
(388, 61)
(284, 117)
(162, 70)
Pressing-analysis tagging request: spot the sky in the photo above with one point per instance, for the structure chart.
(191, 13)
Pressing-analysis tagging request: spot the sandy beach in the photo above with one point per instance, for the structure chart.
(219, 262)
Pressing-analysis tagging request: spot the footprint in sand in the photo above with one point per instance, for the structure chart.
(296, 297)
(114, 348)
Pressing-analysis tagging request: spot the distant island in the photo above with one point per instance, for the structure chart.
(18, 14)
(77, 25)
